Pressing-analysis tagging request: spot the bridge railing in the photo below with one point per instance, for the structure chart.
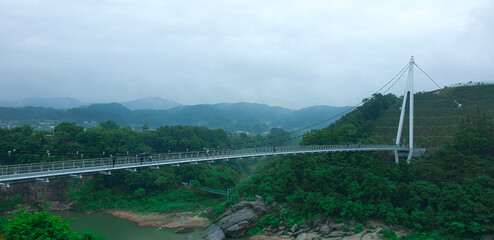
(134, 161)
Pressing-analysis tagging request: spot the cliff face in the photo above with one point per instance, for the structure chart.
(36, 194)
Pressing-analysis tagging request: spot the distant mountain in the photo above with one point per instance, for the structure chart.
(154, 103)
(311, 115)
(57, 103)
(251, 117)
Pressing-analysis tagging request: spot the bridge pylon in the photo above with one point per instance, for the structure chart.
(407, 96)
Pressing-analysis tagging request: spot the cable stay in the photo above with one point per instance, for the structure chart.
(268, 141)
(439, 87)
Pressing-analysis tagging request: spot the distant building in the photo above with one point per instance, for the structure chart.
(237, 133)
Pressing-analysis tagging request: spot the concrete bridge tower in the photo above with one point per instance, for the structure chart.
(407, 96)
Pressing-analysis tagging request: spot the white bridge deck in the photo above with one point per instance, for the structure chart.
(75, 168)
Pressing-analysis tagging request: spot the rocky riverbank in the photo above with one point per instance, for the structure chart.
(244, 216)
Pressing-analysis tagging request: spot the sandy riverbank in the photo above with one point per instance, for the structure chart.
(166, 220)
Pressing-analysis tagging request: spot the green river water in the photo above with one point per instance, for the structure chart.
(113, 228)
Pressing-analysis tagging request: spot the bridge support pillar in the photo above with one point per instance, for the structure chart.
(407, 97)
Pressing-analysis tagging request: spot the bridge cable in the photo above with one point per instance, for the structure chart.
(447, 93)
(267, 140)
(400, 73)
(396, 81)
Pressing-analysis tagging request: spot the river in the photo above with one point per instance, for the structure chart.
(113, 228)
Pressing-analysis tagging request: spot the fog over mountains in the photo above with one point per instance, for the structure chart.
(156, 112)
(57, 102)
(67, 103)
(151, 103)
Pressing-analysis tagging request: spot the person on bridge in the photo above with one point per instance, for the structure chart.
(141, 157)
(274, 148)
(113, 160)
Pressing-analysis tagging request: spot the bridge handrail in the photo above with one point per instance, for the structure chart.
(132, 161)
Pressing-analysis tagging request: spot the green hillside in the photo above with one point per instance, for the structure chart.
(437, 116)
(446, 194)
(249, 117)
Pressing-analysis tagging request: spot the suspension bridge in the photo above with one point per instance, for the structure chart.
(43, 172)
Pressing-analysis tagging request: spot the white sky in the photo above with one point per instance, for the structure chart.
(288, 53)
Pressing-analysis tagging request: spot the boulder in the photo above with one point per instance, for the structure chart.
(237, 224)
(337, 234)
(302, 236)
(236, 229)
(336, 226)
(371, 236)
(325, 229)
(237, 220)
(301, 231)
(188, 237)
(258, 206)
(293, 228)
(185, 230)
(213, 232)
(316, 222)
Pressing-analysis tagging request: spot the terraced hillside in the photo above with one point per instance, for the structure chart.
(436, 114)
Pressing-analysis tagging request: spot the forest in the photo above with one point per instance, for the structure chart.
(446, 194)
(145, 190)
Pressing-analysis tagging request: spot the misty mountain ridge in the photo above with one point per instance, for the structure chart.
(155, 103)
(242, 116)
(55, 102)
(68, 103)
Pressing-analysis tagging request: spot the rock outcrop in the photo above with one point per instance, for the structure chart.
(236, 221)
(213, 232)
(187, 229)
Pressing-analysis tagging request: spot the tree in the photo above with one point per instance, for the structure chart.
(277, 131)
(109, 125)
(41, 225)
(67, 132)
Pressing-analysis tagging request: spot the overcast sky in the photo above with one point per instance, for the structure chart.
(287, 53)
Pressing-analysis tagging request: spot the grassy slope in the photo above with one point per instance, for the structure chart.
(436, 115)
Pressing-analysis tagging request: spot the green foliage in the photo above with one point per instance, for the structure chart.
(254, 231)
(90, 235)
(219, 209)
(109, 125)
(388, 234)
(70, 141)
(7, 203)
(95, 196)
(449, 192)
(41, 225)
